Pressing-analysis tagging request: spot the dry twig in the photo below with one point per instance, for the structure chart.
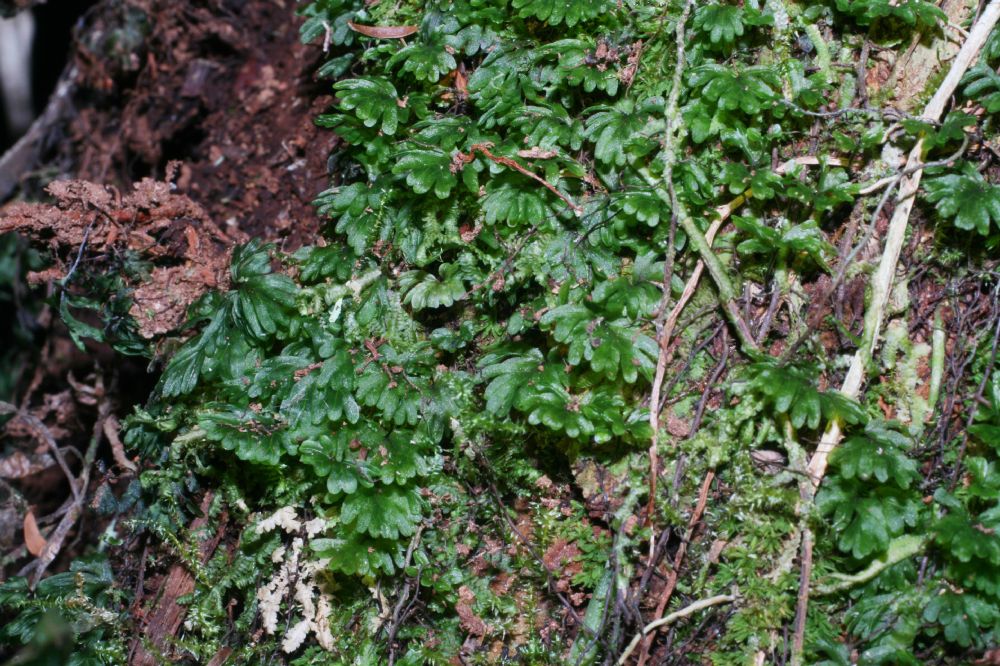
(484, 149)
(43, 432)
(111, 429)
(668, 590)
(663, 335)
(690, 609)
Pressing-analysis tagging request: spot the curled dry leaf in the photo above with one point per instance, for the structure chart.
(383, 31)
(33, 539)
(716, 549)
(111, 429)
(768, 461)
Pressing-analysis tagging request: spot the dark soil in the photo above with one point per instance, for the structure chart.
(224, 88)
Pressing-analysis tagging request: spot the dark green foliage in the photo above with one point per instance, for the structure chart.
(867, 522)
(607, 345)
(921, 13)
(73, 618)
(721, 22)
(484, 320)
(966, 199)
(570, 12)
(499, 160)
(949, 133)
(888, 623)
(880, 453)
(255, 311)
(748, 90)
(789, 245)
(791, 390)
(983, 85)
(873, 498)
(550, 395)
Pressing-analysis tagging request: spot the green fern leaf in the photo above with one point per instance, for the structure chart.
(374, 101)
(966, 198)
(386, 512)
(570, 12)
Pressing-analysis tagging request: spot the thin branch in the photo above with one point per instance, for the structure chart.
(669, 158)
(727, 294)
(875, 114)
(398, 611)
(111, 430)
(55, 541)
(690, 609)
(484, 149)
(802, 601)
(42, 431)
(668, 590)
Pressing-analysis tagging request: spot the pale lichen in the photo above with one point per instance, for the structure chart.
(299, 577)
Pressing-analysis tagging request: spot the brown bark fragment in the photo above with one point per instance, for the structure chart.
(166, 616)
(98, 223)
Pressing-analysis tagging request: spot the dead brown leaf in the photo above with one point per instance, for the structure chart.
(560, 556)
(461, 83)
(33, 539)
(676, 426)
(715, 551)
(627, 73)
(383, 31)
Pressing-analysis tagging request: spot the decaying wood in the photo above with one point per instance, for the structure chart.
(23, 155)
(166, 616)
(96, 222)
(914, 68)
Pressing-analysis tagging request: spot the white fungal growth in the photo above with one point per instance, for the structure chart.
(321, 623)
(312, 606)
(271, 595)
(295, 636)
(315, 526)
(285, 518)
